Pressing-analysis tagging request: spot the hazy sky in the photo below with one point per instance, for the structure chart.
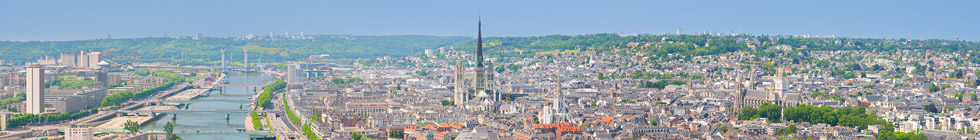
(77, 20)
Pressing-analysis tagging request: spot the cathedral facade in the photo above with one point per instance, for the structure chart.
(755, 97)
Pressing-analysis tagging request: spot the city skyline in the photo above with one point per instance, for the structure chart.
(548, 70)
(865, 19)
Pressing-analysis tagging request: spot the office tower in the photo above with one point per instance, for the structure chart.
(35, 89)
(93, 59)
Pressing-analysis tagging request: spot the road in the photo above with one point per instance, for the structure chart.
(282, 124)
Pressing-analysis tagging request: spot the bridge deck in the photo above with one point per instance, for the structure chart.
(188, 110)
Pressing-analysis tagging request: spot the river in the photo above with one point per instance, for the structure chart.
(205, 121)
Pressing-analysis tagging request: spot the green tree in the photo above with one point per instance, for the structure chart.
(354, 80)
(748, 113)
(791, 129)
(933, 87)
(396, 134)
(337, 80)
(723, 128)
(422, 72)
(169, 128)
(653, 122)
(359, 136)
(445, 102)
(931, 107)
(131, 126)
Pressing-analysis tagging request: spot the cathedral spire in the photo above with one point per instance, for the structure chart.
(479, 42)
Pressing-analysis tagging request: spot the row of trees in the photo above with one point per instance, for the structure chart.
(266, 96)
(170, 76)
(338, 80)
(256, 122)
(119, 98)
(659, 84)
(22, 119)
(309, 132)
(766, 110)
(847, 117)
(289, 112)
(821, 94)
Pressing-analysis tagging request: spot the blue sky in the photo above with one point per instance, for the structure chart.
(79, 20)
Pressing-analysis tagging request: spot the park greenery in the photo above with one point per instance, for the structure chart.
(821, 94)
(846, 117)
(70, 82)
(17, 98)
(445, 102)
(659, 84)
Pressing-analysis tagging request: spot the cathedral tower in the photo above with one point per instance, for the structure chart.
(459, 95)
(480, 73)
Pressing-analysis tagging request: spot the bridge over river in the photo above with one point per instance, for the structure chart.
(210, 100)
(187, 110)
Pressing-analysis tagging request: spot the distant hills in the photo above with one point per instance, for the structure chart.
(206, 50)
(189, 50)
(685, 45)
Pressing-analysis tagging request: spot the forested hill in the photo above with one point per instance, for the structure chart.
(686, 45)
(208, 49)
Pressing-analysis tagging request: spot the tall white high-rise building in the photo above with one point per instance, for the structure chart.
(35, 89)
(294, 73)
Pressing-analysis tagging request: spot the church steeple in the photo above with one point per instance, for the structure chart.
(480, 70)
(479, 42)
